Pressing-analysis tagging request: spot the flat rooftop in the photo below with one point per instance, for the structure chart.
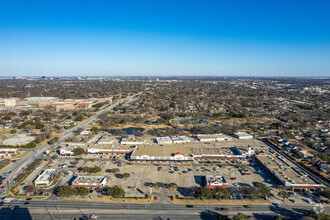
(284, 169)
(199, 148)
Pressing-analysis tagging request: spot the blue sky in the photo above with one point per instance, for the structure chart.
(163, 38)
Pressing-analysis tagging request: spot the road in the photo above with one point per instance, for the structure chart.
(16, 168)
(53, 209)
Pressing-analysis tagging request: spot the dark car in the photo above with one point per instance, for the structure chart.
(26, 203)
(189, 206)
(221, 209)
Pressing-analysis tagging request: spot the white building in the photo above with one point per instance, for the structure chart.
(105, 140)
(178, 156)
(44, 178)
(243, 135)
(212, 137)
(164, 140)
(65, 152)
(212, 181)
(180, 139)
(132, 141)
(89, 181)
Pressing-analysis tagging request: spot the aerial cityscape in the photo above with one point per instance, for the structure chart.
(210, 110)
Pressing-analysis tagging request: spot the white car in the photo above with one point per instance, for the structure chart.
(236, 184)
(308, 200)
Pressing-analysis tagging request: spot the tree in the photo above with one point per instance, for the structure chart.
(115, 170)
(94, 169)
(223, 217)
(159, 184)
(30, 189)
(116, 192)
(126, 175)
(67, 191)
(78, 151)
(173, 185)
(262, 188)
(203, 192)
(7, 117)
(221, 193)
(95, 129)
(239, 216)
(83, 191)
(79, 118)
(326, 192)
(283, 193)
(53, 140)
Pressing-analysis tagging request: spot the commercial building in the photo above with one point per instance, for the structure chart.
(243, 135)
(212, 181)
(212, 137)
(284, 172)
(180, 139)
(8, 150)
(132, 141)
(41, 99)
(114, 149)
(44, 178)
(195, 151)
(89, 181)
(106, 140)
(164, 140)
(161, 153)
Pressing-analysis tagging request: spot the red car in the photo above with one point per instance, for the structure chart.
(247, 206)
(249, 174)
(28, 199)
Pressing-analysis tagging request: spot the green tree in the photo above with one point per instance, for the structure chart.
(173, 185)
(221, 193)
(126, 175)
(115, 170)
(283, 193)
(95, 129)
(223, 217)
(311, 213)
(239, 216)
(262, 188)
(67, 191)
(79, 118)
(53, 140)
(7, 117)
(204, 192)
(78, 151)
(83, 191)
(159, 184)
(326, 192)
(116, 192)
(94, 169)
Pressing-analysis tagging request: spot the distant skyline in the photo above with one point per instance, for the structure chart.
(165, 38)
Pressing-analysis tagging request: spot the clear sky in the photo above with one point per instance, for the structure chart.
(155, 37)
